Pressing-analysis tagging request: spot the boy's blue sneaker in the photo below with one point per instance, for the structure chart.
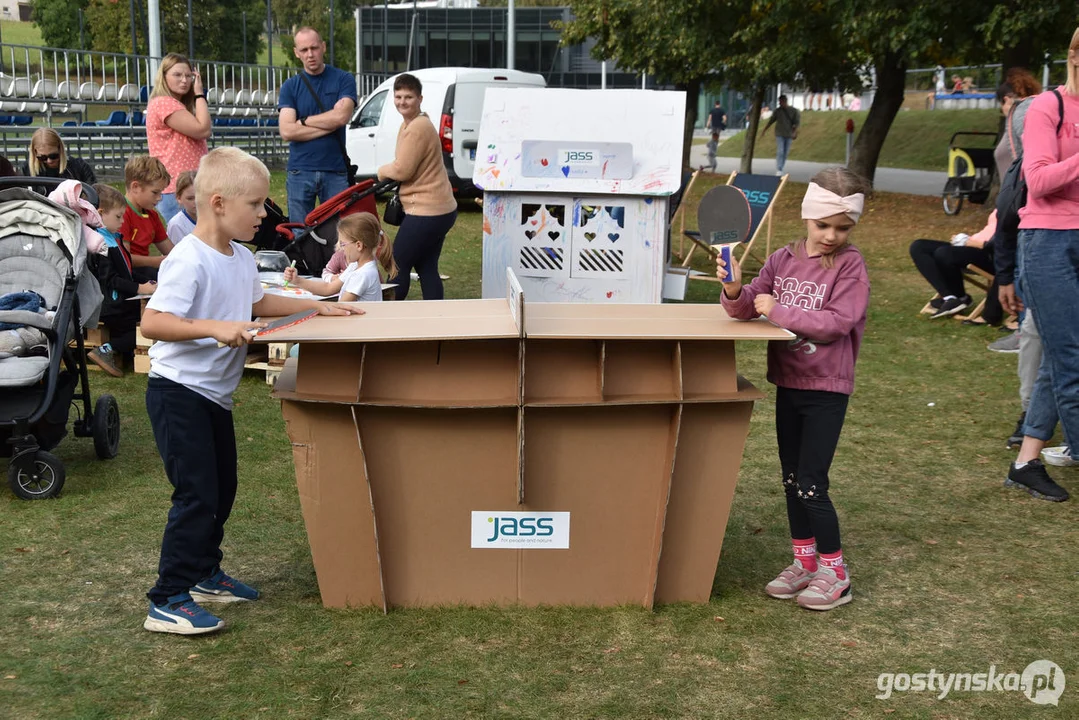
(180, 615)
(220, 588)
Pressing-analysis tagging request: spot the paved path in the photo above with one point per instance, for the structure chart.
(913, 182)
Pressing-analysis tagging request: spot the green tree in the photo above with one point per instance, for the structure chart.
(58, 21)
(290, 15)
(675, 42)
(896, 34)
(784, 41)
(216, 28)
(1022, 36)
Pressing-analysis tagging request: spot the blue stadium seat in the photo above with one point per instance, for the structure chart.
(137, 118)
(7, 120)
(144, 93)
(70, 123)
(117, 118)
(22, 120)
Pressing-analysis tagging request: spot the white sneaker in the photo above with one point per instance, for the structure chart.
(1058, 456)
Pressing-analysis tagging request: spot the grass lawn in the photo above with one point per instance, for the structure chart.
(917, 140)
(14, 32)
(951, 571)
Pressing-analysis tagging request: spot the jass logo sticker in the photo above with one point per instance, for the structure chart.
(535, 530)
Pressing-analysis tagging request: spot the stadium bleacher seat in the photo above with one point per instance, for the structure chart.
(117, 118)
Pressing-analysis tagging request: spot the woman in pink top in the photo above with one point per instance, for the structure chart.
(1048, 250)
(177, 124)
(817, 288)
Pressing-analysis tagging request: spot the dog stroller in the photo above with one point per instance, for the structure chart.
(311, 243)
(43, 259)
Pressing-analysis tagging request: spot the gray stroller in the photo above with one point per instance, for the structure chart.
(43, 371)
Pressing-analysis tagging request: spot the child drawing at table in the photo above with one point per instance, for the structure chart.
(365, 247)
(817, 288)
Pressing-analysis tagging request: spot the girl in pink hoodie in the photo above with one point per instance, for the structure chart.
(817, 288)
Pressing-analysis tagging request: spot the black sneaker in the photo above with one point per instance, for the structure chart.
(936, 302)
(1033, 478)
(1016, 438)
(951, 306)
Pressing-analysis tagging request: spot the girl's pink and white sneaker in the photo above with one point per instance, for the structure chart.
(792, 581)
(826, 590)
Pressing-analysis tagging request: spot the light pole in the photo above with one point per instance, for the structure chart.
(190, 33)
(269, 33)
(511, 35)
(331, 32)
(134, 37)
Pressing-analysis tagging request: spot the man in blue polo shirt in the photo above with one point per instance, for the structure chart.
(315, 129)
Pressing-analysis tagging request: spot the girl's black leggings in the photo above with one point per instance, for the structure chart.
(808, 423)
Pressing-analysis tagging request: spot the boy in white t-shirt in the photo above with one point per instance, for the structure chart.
(183, 223)
(200, 314)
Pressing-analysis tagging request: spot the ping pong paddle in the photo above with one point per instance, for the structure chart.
(282, 323)
(724, 216)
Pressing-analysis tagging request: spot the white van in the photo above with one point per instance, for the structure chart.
(452, 98)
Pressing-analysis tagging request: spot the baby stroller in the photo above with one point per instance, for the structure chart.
(42, 251)
(311, 243)
(970, 172)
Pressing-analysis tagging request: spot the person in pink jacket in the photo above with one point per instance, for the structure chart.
(817, 288)
(1048, 251)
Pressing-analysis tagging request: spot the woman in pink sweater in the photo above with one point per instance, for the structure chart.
(817, 288)
(426, 194)
(1048, 250)
(177, 124)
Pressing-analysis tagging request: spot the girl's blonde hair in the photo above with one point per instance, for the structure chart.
(161, 89)
(842, 182)
(185, 180)
(1073, 69)
(364, 228)
(42, 136)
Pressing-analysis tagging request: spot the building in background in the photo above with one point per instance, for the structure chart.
(400, 37)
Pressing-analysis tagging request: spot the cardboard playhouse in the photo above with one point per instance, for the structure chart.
(577, 187)
(493, 451)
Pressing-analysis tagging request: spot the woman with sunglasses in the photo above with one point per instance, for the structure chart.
(177, 124)
(49, 158)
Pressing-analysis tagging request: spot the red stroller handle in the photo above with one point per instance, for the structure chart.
(285, 229)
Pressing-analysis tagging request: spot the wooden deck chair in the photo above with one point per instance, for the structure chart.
(982, 280)
(680, 212)
(977, 277)
(762, 191)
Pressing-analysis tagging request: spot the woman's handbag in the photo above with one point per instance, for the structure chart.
(395, 211)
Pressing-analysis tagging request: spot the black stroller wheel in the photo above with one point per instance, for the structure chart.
(106, 427)
(953, 197)
(44, 481)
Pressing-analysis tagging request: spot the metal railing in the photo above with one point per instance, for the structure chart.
(54, 74)
(107, 149)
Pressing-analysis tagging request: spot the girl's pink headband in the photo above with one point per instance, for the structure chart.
(819, 203)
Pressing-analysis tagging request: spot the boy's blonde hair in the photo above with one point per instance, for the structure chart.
(228, 172)
(183, 181)
(364, 228)
(108, 197)
(145, 169)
